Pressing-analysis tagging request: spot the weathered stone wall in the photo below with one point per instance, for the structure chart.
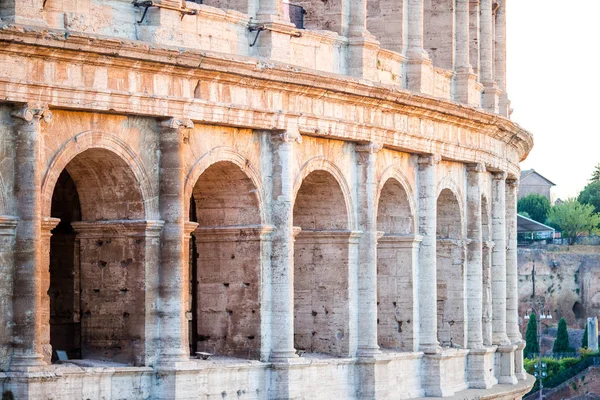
(565, 279)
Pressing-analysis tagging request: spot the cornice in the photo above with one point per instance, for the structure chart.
(233, 69)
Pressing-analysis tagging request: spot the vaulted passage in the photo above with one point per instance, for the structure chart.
(226, 304)
(321, 259)
(451, 277)
(97, 261)
(396, 269)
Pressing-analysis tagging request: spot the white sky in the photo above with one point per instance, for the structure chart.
(553, 82)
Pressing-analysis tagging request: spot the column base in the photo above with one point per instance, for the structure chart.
(273, 42)
(480, 367)
(419, 73)
(520, 372)
(283, 356)
(491, 97)
(505, 364)
(444, 373)
(362, 56)
(467, 89)
(26, 361)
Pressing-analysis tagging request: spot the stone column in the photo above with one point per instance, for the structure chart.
(500, 57)
(282, 257)
(47, 224)
(427, 258)
(474, 257)
(491, 90)
(367, 249)
(363, 47)
(8, 225)
(512, 271)
(505, 367)
(174, 285)
(419, 65)
(29, 274)
(464, 77)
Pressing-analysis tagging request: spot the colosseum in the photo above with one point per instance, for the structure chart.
(254, 199)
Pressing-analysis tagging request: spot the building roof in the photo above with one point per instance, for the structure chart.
(528, 172)
(525, 224)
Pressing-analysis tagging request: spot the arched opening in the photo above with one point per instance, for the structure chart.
(486, 272)
(385, 20)
(396, 270)
(226, 272)
(439, 32)
(97, 261)
(451, 277)
(321, 257)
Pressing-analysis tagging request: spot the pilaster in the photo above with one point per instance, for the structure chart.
(427, 286)
(487, 306)
(367, 249)
(174, 269)
(30, 276)
(8, 226)
(491, 91)
(500, 57)
(282, 257)
(464, 78)
(419, 67)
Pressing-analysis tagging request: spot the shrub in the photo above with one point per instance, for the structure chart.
(561, 344)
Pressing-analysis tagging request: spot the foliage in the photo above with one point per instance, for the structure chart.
(561, 370)
(596, 174)
(561, 344)
(573, 219)
(584, 340)
(591, 195)
(535, 205)
(524, 214)
(532, 346)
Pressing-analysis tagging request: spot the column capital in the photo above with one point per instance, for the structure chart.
(288, 136)
(512, 183)
(49, 223)
(30, 112)
(429, 160)
(177, 123)
(371, 147)
(476, 167)
(499, 176)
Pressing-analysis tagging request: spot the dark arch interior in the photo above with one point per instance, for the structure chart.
(226, 263)
(96, 281)
(395, 284)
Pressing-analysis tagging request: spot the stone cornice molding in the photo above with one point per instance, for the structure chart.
(370, 148)
(47, 224)
(232, 68)
(454, 242)
(8, 225)
(31, 112)
(240, 233)
(117, 228)
(488, 244)
(329, 236)
(400, 241)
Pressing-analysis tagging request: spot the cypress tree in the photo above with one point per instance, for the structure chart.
(561, 344)
(584, 340)
(532, 346)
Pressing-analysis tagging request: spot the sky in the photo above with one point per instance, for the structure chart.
(553, 80)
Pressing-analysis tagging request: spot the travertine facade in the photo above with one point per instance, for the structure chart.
(178, 177)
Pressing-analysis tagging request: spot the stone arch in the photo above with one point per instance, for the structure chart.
(396, 265)
(224, 154)
(323, 252)
(99, 140)
(451, 270)
(453, 193)
(397, 175)
(226, 301)
(320, 163)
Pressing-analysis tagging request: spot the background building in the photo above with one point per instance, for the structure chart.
(533, 182)
(179, 177)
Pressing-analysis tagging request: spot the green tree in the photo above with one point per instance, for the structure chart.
(532, 346)
(596, 174)
(561, 344)
(535, 205)
(584, 340)
(573, 219)
(591, 195)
